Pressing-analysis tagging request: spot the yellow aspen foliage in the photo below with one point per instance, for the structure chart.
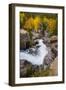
(45, 20)
(37, 22)
(29, 24)
(51, 24)
(22, 16)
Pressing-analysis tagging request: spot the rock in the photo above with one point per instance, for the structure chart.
(46, 40)
(54, 48)
(36, 42)
(48, 59)
(53, 39)
(46, 33)
(35, 35)
(24, 39)
(54, 67)
(35, 68)
(24, 35)
(54, 45)
(31, 51)
(25, 68)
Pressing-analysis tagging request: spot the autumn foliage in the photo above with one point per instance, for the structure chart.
(33, 21)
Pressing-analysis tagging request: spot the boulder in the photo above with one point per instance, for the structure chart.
(35, 35)
(53, 39)
(48, 59)
(54, 45)
(25, 68)
(46, 41)
(24, 35)
(24, 39)
(54, 48)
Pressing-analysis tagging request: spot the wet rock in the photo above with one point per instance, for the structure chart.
(54, 48)
(46, 41)
(54, 45)
(25, 68)
(48, 59)
(33, 50)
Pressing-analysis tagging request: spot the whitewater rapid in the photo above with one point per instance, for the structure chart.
(37, 59)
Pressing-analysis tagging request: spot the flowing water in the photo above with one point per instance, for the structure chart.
(35, 55)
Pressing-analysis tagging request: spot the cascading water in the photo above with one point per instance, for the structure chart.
(37, 55)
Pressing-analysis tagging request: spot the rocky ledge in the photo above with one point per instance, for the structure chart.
(52, 46)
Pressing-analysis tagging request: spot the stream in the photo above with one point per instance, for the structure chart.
(35, 55)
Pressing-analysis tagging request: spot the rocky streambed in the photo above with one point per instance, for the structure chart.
(35, 55)
(37, 60)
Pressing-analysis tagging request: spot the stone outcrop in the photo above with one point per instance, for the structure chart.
(24, 39)
(52, 46)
